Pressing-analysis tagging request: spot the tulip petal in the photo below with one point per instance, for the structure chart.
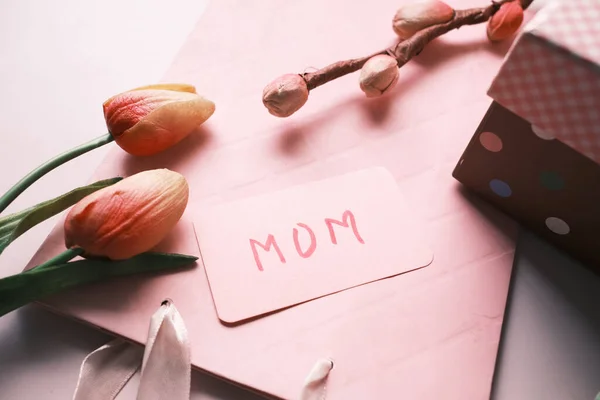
(128, 108)
(129, 217)
(175, 87)
(14, 225)
(165, 126)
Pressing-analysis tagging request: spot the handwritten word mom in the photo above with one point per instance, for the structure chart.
(348, 221)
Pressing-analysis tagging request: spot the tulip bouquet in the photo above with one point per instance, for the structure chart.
(416, 25)
(113, 223)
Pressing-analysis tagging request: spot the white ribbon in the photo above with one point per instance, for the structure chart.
(165, 363)
(105, 371)
(315, 387)
(166, 367)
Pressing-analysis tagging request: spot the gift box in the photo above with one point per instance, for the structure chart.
(536, 152)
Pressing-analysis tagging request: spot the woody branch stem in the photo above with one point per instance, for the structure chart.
(404, 50)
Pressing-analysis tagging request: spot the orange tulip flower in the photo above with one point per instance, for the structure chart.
(150, 119)
(129, 217)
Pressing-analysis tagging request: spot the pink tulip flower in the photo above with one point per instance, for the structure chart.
(149, 119)
(129, 217)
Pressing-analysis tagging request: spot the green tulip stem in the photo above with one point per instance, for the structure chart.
(62, 258)
(48, 166)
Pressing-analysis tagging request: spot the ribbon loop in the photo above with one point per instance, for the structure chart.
(106, 370)
(166, 369)
(165, 362)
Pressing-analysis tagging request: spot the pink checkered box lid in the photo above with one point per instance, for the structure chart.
(551, 75)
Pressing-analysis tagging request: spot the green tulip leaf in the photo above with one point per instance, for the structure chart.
(14, 225)
(48, 166)
(37, 283)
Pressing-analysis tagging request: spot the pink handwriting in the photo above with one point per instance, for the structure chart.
(345, 217)
(348, 221)
(267, 247)
(313, 241)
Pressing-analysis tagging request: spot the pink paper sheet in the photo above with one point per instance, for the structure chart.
(427, 334)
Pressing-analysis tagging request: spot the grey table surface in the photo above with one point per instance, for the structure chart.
(52, 79)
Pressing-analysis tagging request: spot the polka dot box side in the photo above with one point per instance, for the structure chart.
(541, 182)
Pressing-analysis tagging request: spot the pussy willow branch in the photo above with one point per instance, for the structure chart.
(404, 50)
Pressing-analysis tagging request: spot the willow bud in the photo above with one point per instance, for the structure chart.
(285, 95)
(378, 75)
(413, 17)
(505, 22)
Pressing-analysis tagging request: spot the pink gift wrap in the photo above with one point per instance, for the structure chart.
(551, 76)
(427, 334)
(535, 153)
